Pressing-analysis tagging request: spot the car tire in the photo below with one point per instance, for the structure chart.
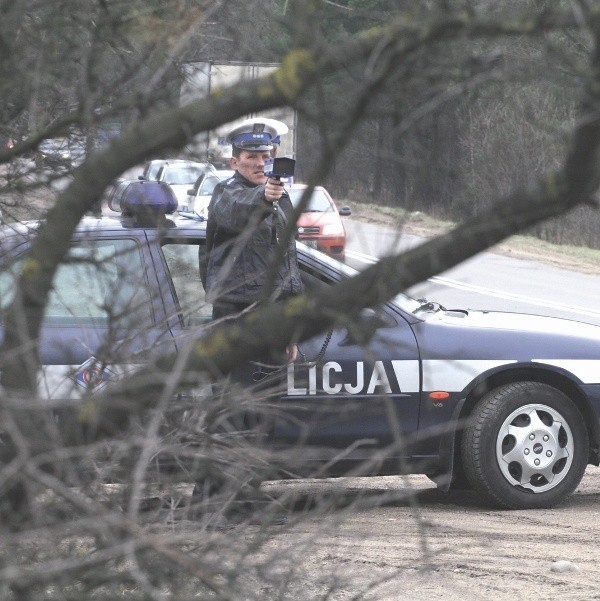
(525, 446)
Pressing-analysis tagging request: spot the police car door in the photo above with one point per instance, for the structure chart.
(102, 318)
(356, 388)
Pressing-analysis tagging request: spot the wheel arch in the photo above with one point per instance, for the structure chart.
(558, 379)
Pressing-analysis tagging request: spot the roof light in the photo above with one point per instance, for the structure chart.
(148, 200)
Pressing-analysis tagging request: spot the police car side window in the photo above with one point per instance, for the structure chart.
(100, 283)
(312, 279)
(182, 260)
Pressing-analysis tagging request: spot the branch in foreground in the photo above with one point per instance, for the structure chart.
(284, 87)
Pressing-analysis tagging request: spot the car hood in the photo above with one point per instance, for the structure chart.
(519, 322)
(508, 338)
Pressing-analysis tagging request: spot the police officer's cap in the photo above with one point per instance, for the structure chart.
(258, 133)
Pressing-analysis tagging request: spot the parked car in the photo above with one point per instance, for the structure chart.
(61, 152)
(506, 403)
(54, 152)
(78, 151)
(180, 174)
(199, 196)
(224, 173)
(320, 225)
(6, 142)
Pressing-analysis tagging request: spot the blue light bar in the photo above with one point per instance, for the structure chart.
(148, 198)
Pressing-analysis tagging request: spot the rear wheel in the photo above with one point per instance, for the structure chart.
(526, 446)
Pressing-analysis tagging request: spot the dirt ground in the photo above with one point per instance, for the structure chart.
(444, 545)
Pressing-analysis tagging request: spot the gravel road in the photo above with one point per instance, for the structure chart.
(441, 545)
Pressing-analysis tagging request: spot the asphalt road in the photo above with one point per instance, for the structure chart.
(488, 280)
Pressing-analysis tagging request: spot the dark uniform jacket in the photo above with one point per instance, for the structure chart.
(243, 232)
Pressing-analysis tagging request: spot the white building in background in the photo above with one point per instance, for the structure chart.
(201, 77)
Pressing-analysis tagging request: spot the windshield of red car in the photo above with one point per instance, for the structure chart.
(318, 201)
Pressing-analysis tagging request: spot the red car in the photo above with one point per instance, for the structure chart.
(6, 142)
(320, 225)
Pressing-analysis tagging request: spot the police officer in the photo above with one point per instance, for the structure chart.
(247, 217)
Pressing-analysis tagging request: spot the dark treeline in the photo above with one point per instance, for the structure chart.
(449, 140)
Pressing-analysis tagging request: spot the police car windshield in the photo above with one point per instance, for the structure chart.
(403, 301)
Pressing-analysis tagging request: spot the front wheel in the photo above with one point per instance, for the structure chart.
(526, 446)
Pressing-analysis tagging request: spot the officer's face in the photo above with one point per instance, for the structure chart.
(251, 164)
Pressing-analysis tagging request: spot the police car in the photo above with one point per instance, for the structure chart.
(508, 404)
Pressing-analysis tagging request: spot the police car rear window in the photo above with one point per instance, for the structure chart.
(100, 283)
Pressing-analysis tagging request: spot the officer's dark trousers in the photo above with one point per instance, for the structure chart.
(256, 377)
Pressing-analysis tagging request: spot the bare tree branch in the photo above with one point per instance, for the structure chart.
(298, 71)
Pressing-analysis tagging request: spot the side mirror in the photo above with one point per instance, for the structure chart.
(191, 192)
(345, 211)
(369, 321)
